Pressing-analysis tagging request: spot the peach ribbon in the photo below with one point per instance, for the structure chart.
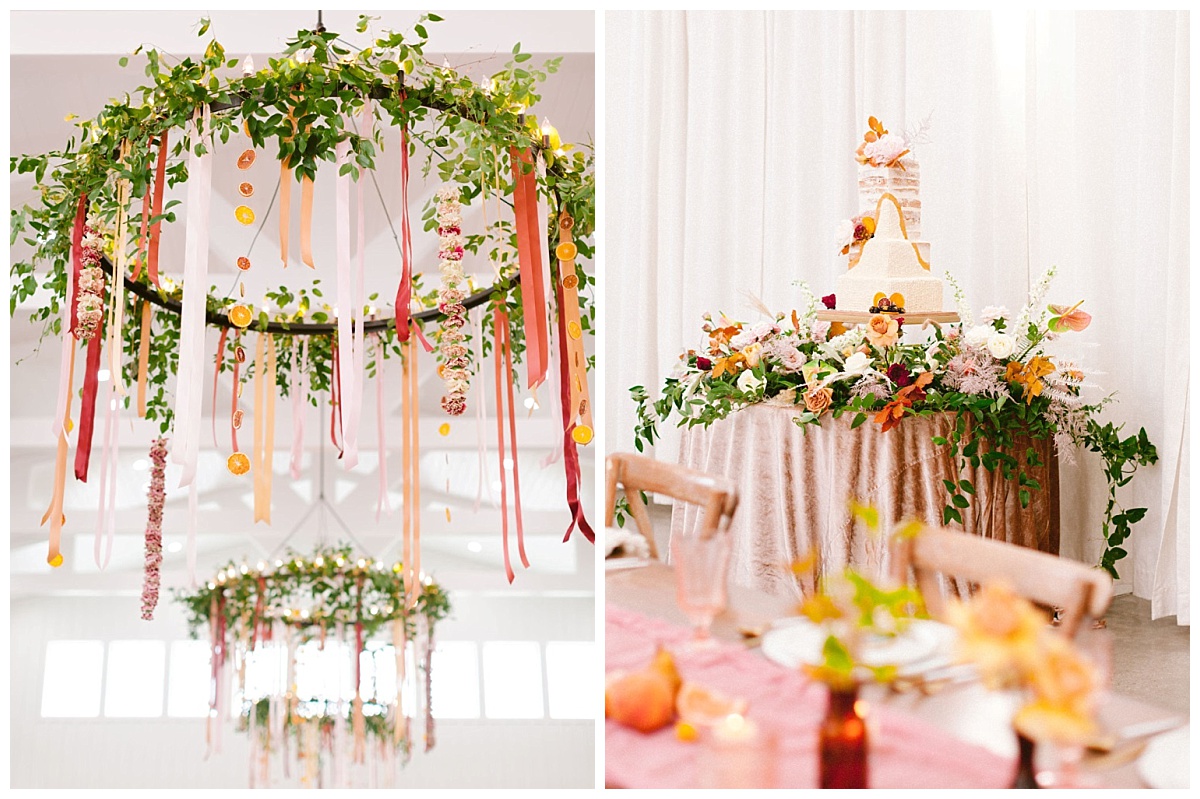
(384, 502)
(299, 394)
(572, 346)
(306, 204)
(399, 641)
(55, 512)
(265, 381)
(285, 210)
(404, 291)
(529, 255)
(144, 363)
(220, 360)
(116, 314)
(502, 352)
(411, 449)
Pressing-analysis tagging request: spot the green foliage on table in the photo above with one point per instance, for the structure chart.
(468, 131)
(311, 594)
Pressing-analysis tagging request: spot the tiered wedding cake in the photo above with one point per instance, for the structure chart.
(887, 259)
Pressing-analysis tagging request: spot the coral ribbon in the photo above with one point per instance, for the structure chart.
(87, 410)
(140, 258)
(190, 379)
(306, 203)
(529, 255)
(349, 401)
(285, 210)
(299, 394)
(570, 454)
(411, 451)
(160, 174)
(384, 502)
(144, 365)
(220, 360)
(479, 414)
(404, 292)
(55, 512)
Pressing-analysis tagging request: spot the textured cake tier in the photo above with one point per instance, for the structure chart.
(890, 263)
(903, 184)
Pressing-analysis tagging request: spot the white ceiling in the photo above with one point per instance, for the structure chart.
(63, 63)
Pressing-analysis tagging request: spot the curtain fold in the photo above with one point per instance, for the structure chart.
(1055, 138)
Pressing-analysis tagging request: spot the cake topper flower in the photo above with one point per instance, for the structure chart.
(880, 148)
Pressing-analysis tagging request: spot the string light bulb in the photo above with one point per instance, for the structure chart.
(248, 66)
(546, 130)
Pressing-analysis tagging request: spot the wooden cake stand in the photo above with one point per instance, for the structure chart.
(862, 317)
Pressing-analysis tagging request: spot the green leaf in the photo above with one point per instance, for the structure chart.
(858, 419)
(123, 61)
(1024, 496)
(204, 23)
(965, 485)
(960, 501)
(949, 514)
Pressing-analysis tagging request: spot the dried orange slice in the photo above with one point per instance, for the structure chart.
(243, 263)
(237, 420)
(240, 315)
(246, 127)
(444, 429)
(566, 251)
(565, 221)
(582, 434)
(573, 330)
(55, 560)
(696, 704)
(238, 463)
(244, 214)
(868, 222)
(570, 282)
(240, 354)
(246, 159)
(246, 189)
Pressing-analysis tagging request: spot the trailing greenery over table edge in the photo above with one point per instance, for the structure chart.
(984, 427)
(467, 129)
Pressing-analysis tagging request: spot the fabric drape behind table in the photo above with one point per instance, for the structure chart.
(795, 486)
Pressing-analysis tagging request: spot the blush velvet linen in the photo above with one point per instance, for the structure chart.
(905, 752)
(795, 487)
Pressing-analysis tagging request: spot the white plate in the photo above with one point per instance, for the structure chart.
(925, 643)
(1164, 764)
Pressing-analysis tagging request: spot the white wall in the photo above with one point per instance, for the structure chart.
(163, 752)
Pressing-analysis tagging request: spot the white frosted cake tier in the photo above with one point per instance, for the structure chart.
(891, 264)
(902, 183)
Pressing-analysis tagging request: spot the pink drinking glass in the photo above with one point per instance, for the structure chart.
(701, 570)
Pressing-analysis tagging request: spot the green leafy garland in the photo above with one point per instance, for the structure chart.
(313, 594)
(710, 385)
(466, 127)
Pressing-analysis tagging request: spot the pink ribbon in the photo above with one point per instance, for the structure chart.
(349, 402)
(106, 516)
(299, 392)
(404, 292)
(479, 415)
(384, 502)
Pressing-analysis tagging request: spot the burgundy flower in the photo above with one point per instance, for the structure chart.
(703, 364)
(898, 373)
(860, 232)
(830, 301)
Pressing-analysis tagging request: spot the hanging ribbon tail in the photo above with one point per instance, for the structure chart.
(512, 436)
(404, 292)
(478, 314)
(233, 402)
(335, 401)
(345, 310)
(529, 255)
(220, 360)
(500, 325)
(384, 502)
(87, 411)
(160, 174)
(306, 203)
(299, 395)
(416, 328)
(67, 326)
(570, 453)
(285, 210)
(54, 514)
(77, 260)
(144, 365)
(140, 259)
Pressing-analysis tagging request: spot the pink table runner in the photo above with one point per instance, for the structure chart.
(904, 753)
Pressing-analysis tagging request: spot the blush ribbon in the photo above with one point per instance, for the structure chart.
(190, 380)
(345, 310)
(54, 514)
(529, 254)
(265, 381)
(404, 292)
(384, 502)
(411, 450)
(144, 364)
(220, 359)
(299, 394)
(479, 414)
(502, 350)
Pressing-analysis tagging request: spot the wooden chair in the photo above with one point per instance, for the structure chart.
(717, 496)
(1081, 591)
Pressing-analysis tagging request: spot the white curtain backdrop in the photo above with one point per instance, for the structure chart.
(1055, 138)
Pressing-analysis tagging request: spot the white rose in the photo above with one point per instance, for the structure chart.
(1001, 346)
(749, 383)
(993, 312)
(844, 236)
(857, 364)
(979, 335)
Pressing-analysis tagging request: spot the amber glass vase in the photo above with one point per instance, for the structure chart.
(843, 745)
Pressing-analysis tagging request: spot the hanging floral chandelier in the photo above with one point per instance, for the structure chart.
(98, 229)
(254, 615)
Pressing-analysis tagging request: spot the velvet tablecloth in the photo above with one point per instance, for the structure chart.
(795, 484)
(904, 752)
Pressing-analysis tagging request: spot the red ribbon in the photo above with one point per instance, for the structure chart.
(87, 412)
(570, 453)
(529, 256)
(216, 376)
(77, 260)
(404, 292)
(159, 177)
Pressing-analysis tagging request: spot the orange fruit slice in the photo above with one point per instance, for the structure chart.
(582, 434)
(244, 214)
(240, 315)
(243, 263)
(55, 560)
(246, 159)
(699, 705)
(246, 189)
(238, 463)
(566, 251)
(574, 330)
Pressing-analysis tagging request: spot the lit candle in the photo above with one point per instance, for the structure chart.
(546, 129)
(248, 66)
(735, 728)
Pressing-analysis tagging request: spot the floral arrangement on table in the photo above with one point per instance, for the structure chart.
(998, 378)
(1013, 647)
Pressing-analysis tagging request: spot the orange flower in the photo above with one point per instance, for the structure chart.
(882, 331)
(818, 399)
(731, 365)
(1029, 375)
(722, 334)
(889, 416)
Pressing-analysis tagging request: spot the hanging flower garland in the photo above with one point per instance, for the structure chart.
(455, 361)
(91, 282)
(158, 495)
